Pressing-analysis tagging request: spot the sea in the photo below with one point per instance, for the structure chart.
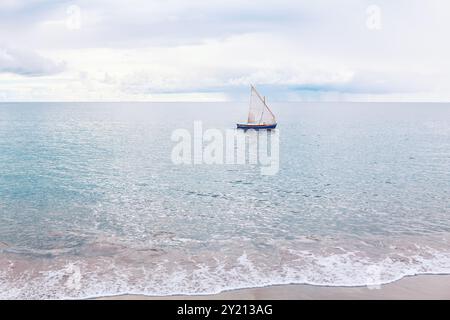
(92, 203)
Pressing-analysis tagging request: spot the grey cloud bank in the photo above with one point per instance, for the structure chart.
(27, 63)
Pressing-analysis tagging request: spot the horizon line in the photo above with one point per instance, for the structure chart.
(221, 101)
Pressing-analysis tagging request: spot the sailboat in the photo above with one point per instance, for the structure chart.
(259, 114)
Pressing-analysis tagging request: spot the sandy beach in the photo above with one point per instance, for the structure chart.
(409, 288)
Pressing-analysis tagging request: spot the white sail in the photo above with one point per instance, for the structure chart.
(259, 112)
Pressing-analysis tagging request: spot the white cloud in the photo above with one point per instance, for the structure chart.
(26, 62)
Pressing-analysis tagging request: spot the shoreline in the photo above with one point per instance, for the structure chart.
(409, 288)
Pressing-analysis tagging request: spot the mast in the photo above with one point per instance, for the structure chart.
(252, 88)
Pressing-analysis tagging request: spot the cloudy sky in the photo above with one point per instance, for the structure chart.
(178, 50)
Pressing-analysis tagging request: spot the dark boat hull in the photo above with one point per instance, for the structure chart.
(256, 126)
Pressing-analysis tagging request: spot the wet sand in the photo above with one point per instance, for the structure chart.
(415, 287)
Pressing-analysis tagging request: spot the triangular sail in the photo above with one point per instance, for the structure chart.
(259, 112)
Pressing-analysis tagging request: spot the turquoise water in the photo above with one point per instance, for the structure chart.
(91, 203)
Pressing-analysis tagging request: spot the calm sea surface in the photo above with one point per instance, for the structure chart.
(91, 203)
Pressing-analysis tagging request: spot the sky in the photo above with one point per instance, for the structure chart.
(178, 50)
